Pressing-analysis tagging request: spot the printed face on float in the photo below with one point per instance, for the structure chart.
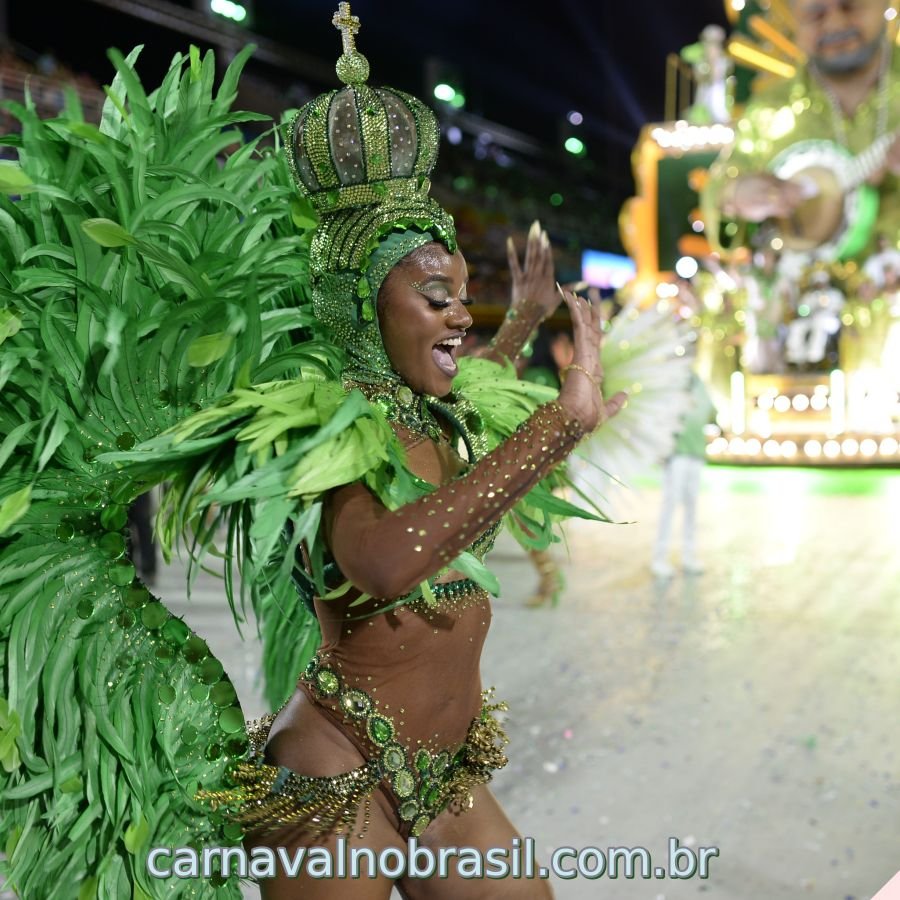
(423, 317)
(840, 36)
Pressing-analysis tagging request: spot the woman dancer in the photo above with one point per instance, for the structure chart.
(390, 462)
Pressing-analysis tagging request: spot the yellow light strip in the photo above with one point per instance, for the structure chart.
(767, 32)
(745, 52)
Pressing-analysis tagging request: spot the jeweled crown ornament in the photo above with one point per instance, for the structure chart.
(363, 156)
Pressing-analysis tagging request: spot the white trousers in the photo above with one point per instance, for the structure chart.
(681, 485)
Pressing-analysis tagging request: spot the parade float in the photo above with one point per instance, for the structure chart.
(798, 329)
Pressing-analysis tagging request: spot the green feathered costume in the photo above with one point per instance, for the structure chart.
(156, 324)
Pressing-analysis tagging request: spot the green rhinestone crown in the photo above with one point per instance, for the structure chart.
(361, 145)
(363, 156)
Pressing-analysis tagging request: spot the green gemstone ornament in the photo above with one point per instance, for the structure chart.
(136, 597)
(112, 545)
(126, 441)
(408, 810)
(175, 632)
(222, 694)
(380, 729)
(153, 615)
(121, 572)
(195, 649)
(403, 783)
(432, 795)
(356, 704)
(393, 758)
(210, 670)
(213, 752)
(231, 720)
(328, 682)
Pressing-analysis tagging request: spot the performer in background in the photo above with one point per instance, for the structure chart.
(681, 483)
(848, 95)
(819, 320)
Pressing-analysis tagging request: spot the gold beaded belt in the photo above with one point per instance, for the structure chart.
(263, 797)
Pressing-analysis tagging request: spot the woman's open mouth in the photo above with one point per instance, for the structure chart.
(444, 355)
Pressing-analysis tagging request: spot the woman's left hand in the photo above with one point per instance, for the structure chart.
(533, 280)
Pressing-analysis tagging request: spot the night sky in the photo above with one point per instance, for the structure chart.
(522, 65)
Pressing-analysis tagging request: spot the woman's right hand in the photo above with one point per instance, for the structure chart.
(581, 395)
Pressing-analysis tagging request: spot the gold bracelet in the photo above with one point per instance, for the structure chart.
(582, 369)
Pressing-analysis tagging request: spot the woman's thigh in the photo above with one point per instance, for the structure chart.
(378, 835)
(484, 827)
(306, 741)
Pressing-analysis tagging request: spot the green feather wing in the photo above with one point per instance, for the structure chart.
(147, 268)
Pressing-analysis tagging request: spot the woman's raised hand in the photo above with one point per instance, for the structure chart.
(582, 395)
(533, 280)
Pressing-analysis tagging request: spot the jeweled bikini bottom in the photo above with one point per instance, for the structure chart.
(420, 784)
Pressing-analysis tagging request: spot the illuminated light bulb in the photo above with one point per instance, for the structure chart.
(752, 447)
(782, 403)
(765, 401)
(800, 402)
(788, 449)
(868, 447)
(819, 402)
(444, 92)
(687, 267)
(850, 447)
(832, 449)
(736, 446)
(228, 9)
(771, 448)
(812, 449)
(888, 446)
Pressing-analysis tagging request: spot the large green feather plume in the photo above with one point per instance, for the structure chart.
(147, 267)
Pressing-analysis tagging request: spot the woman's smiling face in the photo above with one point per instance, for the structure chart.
(423, 317)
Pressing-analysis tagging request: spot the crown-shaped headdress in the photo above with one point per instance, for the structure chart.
(363, 156)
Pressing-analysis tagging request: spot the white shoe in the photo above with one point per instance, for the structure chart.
(662, 569)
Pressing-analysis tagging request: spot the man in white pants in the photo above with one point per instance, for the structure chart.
(681, 484)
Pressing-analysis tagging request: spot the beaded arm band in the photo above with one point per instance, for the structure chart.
(429, 533)
(514, 332)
